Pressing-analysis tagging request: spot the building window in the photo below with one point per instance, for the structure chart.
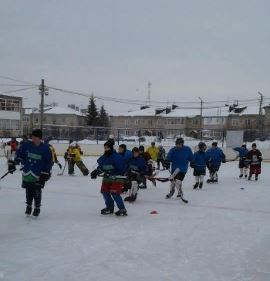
(235, 122)
(247, 122)
(195, 122)
(9, 104)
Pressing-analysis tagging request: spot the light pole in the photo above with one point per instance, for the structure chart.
(201, 118)
(43, 92)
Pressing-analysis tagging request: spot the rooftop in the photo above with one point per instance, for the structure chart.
(56, 110)
(190, 111)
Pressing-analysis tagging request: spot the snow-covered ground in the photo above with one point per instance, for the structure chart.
(223, 234)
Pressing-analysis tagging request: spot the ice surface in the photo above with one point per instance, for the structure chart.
(223, 234)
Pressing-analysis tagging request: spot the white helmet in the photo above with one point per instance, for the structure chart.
(73, 144)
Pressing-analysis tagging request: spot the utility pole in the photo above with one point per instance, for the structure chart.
(261, 114)
(149, 84)
(43, 91)
(201, 118)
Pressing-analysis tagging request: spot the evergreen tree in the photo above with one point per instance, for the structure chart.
(103, 119)
(92, 116)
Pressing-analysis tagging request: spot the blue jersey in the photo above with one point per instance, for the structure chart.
(243, 151)
(215, 156)
(127, 155)
(111, 165)
(35, 159)
(200, 160)
(179, 158)
(138, 164)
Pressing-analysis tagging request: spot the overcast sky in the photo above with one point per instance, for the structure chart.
(209, 48)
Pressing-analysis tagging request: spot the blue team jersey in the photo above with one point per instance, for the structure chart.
(243, 151)
(179, 158)
(200, 160)
(35, 159)
(112, 165)
(138, 164)
(127, 155)
(215, 156)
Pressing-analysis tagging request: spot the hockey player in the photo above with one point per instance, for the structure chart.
(36, 158)
(199, 165)
(54, 155)
(13, 145)
(179, 156)
(215, 157)
(125, 153)
(113, 167)
(254, 157)
(150, 167)
(74, 157)
(153, 151)
(243, 166)
(161, 157)
(137, 170)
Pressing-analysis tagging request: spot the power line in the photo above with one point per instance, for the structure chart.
(211, 104)
(18, 90)
(13, 85)
(16, 80)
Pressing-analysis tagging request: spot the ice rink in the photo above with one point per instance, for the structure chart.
(223, 234)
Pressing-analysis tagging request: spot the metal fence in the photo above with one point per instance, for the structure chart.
(101, 134)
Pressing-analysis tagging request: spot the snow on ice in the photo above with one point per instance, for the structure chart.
(223, 234)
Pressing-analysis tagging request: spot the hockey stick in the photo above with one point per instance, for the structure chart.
(62, 172)
(232, 160)
(113, 177)
(170, 179)
(8, 172)
(160, 179)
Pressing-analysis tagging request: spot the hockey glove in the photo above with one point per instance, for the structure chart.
(44, 176)
(66, 156)
(11, 166)
(166, 164)
(95, 173)
(223, 160)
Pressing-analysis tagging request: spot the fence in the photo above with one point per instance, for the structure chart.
(100, 134)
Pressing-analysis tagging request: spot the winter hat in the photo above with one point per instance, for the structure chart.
(135, 149)
(111, 141)
(179, 141)
(109, 144)
(202, 145)
(141, 148)
(37, 133)
(123, 146)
